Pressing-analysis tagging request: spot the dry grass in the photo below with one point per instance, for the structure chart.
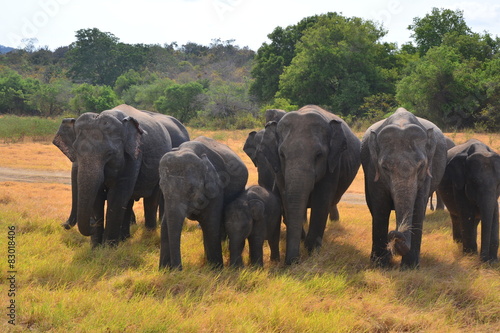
(65, 286)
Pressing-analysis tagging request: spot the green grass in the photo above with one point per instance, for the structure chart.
(15, 129)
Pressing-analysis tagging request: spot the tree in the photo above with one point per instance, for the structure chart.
(442, 87)
(89, 98)
(338, 62)
(271, 59)
(430, 30)
(181, 101)
(16, 92)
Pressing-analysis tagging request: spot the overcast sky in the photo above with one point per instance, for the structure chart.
(54, 22)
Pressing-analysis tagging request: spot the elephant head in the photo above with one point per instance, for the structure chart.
(100, 144)
(402, 156)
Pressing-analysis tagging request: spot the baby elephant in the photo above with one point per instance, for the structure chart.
(256, 215)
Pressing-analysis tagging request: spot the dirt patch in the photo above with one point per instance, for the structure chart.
(34, 176)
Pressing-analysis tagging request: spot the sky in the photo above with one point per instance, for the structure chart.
(54, 22)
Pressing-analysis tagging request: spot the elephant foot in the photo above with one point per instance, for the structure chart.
(397, 243)
(383, 261)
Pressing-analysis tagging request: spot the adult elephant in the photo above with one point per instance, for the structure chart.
(315, 157)
(66, 136)
(470, 189)
(403, 159)
(198, 179)
(116, 152)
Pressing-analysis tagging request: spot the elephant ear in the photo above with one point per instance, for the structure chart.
(256, 209)
(456, 170)
(250, 147)
(65, 137)
(374, 150)
(269, 146)
(338, 144)
(211, 186)
(133, 133)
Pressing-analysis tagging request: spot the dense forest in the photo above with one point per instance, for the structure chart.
(448, 74)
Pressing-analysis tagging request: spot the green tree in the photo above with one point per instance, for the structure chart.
(272, 58)
(89, 98)
(339, 61)
(52, 98)
(181, 101)
(16, 92)
(430, 30)
(93, 57)
(443, 88)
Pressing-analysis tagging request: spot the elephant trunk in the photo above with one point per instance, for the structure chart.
(89, 184)
(399, 240)
(296, 196)
(488, 208)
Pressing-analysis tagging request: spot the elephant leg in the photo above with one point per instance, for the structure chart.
(211, 226)
(457, 228)
(151, 209)
(274, 240)
(439, 202)
(236, 246)
(494, 241)
(320, 204)
(125, 226)
(164, 245)
(334, 212)
(255, 243)
(469, 233)
(380, 210)
(118, 203)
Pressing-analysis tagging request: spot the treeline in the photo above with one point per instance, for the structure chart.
(449, 74)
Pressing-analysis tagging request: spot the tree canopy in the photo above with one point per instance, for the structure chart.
(448, 74)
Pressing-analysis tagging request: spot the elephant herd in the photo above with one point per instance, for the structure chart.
(305, 159)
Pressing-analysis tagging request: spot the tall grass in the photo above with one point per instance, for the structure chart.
(65, 286)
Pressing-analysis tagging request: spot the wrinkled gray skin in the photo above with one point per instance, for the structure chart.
(255, 215)
(470, 189)
(198, 179)
(178, 134)
(115, 157)
(439, 201)
(315, 157)
(403, 159)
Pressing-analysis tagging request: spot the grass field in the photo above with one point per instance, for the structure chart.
(61, 285)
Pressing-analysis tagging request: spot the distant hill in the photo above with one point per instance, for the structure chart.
(5, 49)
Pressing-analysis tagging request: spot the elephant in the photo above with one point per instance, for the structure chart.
(315, 157)
(198, 179)
(266, 175)
(403, 158)
(254, 215)
(470, 189)
(274, 115)
(115, 157)
(65, 137)
(439, 201)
